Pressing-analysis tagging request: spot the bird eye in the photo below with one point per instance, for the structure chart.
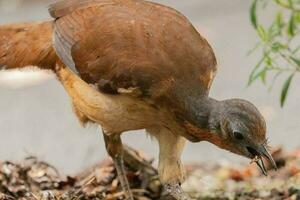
(238, 135)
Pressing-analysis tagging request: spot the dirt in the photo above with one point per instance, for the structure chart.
(245, 182)
(33, 179)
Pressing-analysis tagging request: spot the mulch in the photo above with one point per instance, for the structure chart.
(33, 179)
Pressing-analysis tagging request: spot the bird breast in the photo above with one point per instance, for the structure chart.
(115, 113)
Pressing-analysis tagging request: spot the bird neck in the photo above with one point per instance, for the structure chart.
(203, 116)
(203, 112)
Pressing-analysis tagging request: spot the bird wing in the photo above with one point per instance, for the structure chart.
(62, 8)
(129, 45)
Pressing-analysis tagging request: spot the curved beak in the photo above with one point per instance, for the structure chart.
(262, 150)
(260, 153)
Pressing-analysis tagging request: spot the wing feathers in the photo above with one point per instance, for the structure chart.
(63, 49)
(65, 7)
(67, 21)
(132, 44)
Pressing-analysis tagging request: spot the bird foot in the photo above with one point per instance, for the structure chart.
(176, 191)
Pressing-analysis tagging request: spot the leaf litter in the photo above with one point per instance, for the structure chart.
(36, 180)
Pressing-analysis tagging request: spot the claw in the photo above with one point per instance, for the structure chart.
(176, 191)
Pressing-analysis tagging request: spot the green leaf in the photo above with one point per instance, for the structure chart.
(254, 48)
(297, 17)
(285, 89)
(279, 19)
(291, 26)
(257, 72)
(262, 33)
(291, 3)
(279, 22)
(283, 3)
(296, 60)
(277, 46)
(277, 1)
(252, 76)
(253, 14)
(274, 80)
(273, 30)
(268, 60)
(261, 74)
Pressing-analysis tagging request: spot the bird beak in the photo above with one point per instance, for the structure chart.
(264, 153)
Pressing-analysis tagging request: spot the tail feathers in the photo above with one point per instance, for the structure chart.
(28, 44)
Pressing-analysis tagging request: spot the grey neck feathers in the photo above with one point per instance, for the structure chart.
(196, 107)
(205, 113)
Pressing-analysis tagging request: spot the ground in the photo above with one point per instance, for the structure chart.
(33, 179)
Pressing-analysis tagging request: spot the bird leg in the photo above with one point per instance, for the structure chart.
(170, 169)
(176, 191)
(114, 148)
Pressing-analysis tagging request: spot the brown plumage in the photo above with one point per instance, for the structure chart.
(27, 44)
(133, 64)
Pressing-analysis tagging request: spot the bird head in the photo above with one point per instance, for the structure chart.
(241, 129)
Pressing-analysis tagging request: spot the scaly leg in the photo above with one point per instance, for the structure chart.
(170, 168)
(114, 148)
(176, 191)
